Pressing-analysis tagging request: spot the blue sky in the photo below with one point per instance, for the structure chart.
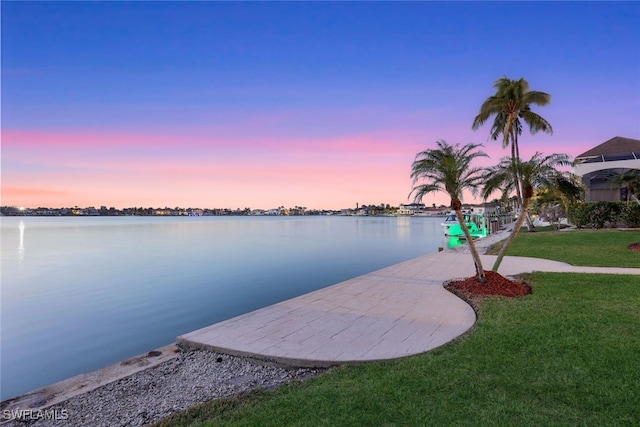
(264, 104)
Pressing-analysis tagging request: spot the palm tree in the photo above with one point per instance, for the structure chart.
(512, 102)
(566, 193)
(629, 180)
(539, 172)
(448, 168)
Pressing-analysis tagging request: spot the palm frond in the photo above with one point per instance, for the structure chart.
(537, 98)
(512, 102)
(422, 190)
(538, 172)
(446, 168)
(536, 122)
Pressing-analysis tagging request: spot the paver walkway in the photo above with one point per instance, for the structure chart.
(394, 312)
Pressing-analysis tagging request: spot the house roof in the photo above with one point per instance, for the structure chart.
(613, 147)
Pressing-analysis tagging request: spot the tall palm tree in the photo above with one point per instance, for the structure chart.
(448, 168)
(511, 103)
(629, 180)
(538, 172)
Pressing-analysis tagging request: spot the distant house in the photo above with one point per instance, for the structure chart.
(596, 166)
(482, 208)
(166, 211)
(410, 209)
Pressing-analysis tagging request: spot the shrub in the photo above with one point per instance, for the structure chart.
(552, 214)
(599, 214)
(630, 215)
(577, 215)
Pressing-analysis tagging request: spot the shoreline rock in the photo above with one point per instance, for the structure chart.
(147, 396)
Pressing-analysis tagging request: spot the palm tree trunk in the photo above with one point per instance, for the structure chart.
(472, 246)
(515, 157)
(530, 226)
(512, 235)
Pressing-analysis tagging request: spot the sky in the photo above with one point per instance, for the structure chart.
(266, 104)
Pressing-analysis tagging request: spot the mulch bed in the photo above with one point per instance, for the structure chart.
(496, 285)
(635, 247)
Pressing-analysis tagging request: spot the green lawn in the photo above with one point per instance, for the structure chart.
(568, 354)
(599, 248)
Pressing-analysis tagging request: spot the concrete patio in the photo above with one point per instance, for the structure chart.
(394, 312)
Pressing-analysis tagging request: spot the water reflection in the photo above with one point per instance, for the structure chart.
(21, 242)
(404, 232)
(113, 287)
(455, 241)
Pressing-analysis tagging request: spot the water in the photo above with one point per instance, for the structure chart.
(82, 293)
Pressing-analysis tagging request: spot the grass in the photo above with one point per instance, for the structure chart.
(598, 248)
(565, 355)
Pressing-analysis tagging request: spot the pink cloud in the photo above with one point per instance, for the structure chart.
(73, 139)
(10, 191)
(212, 167)
(111, 140)
(231, 183)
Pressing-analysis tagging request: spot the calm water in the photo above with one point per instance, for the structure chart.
(82, 293)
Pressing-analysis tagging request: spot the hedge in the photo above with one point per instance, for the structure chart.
(605, 214)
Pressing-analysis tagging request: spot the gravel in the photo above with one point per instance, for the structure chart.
(193, 377)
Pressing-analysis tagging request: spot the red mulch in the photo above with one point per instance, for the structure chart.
(496, 285)
(635, 247)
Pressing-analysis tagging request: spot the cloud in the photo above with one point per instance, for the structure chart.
(32, 196)
(11, 191)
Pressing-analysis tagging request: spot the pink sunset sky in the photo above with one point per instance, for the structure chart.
(328, 115)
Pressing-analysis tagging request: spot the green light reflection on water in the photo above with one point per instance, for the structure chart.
(455, 241)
